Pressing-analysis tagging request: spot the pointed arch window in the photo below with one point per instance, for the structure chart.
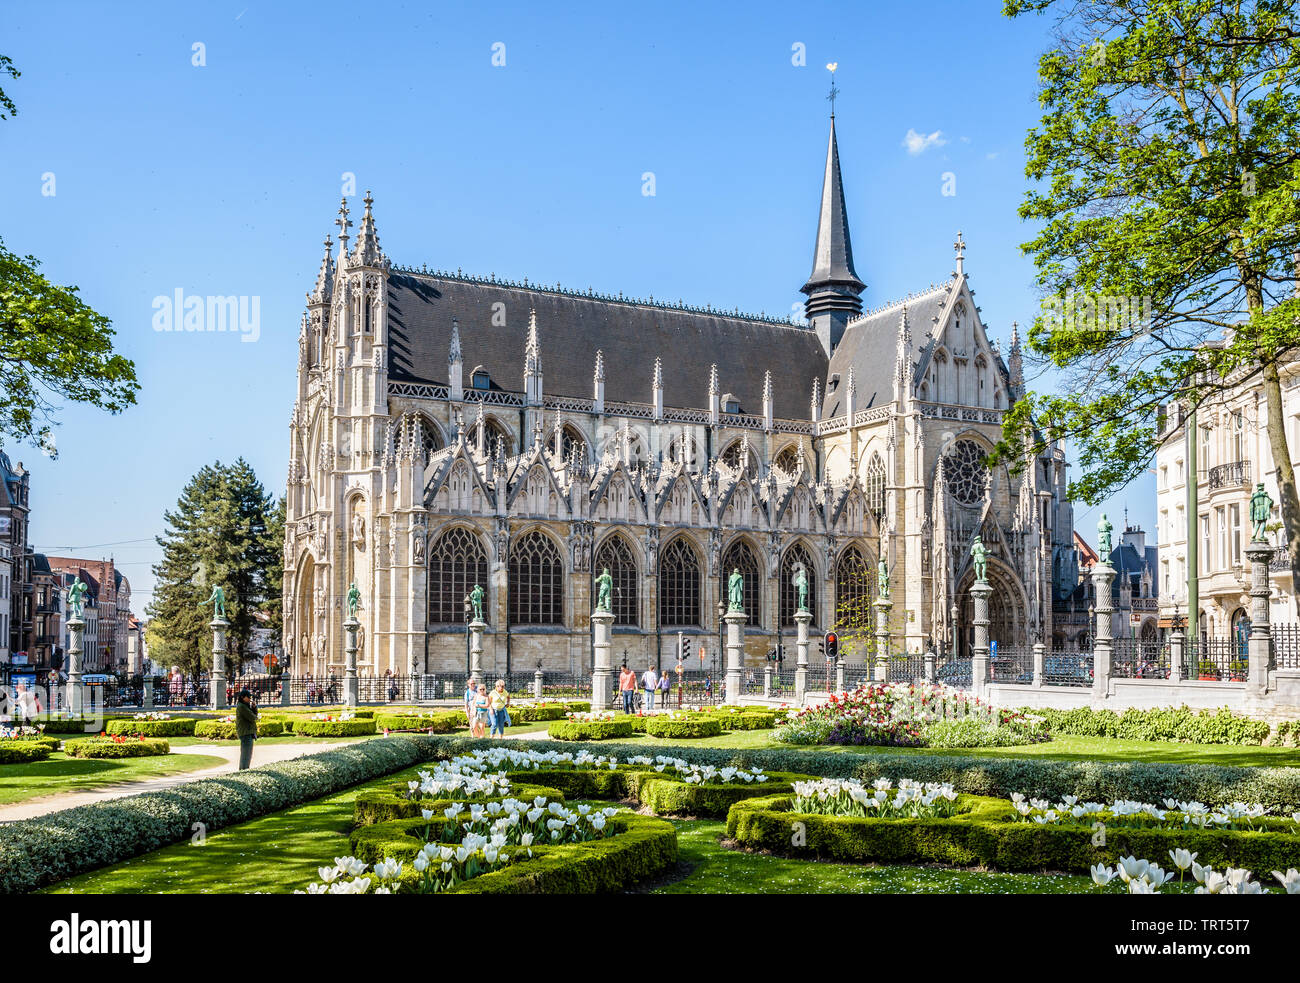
(494, 432)
(457, 561)
(875, 482)
(536, 589)
(731, 458)
(788, 459)
(572, 445)
(616, 556)
(679, 585)
(852, 588)
(740, 556)
(795, 557)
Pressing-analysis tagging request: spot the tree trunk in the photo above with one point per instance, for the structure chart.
(1286, 487)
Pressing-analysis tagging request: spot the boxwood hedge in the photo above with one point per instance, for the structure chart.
(1276, 788)
(590, 730)
(701, 725)
(379, 806)
(107, 748)
(220, 730)
(36, 852)
(333, 728)
(987, 836)
(441, 722)
(78, 726)
(176, 727)
(21, 752)
(1182, 724)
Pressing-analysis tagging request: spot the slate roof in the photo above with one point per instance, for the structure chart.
(572, 327)
(833, 251)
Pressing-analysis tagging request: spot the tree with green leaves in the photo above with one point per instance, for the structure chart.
(1167, 170)
(52, 344)
(222, 533)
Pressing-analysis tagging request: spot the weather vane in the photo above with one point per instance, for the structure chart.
(830, 67)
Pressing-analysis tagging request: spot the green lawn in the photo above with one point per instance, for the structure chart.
(267, 741)
(59, 773)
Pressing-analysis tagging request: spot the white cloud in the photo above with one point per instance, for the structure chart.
(919, 143)
(991, 156)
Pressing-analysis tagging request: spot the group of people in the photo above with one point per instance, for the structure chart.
(322, 694)
(652, 683)
(484, 709)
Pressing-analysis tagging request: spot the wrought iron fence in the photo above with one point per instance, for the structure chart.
(1286, 646)
(954, 672)
(1012, 664)
(1065, 668)
(783, 684)
(857, 674)
(1132, 658)
(905, 668)
(1221, 659)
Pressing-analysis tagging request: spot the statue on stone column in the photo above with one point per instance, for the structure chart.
(1261, 509)
(736, 591)
(358, 530)
(418, 543)
(801, 586)
(218, 602)
(604, 589)
(354, 600)
(882, 578)
(476, 601)
(76, 595)
(1104, 529)
(980, 556)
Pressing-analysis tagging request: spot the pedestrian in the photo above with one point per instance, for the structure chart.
(245, 727)
(627, 686)
(471, 694)
(333, 691)
(481, 707)
(392, 686)
(498, 709)
(708, 688)
(650, 683)
(664, 686)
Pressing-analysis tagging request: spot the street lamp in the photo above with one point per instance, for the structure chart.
(722, 610)
(469, 610)
(952, 627)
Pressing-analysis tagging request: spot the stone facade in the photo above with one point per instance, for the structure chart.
(672, 443)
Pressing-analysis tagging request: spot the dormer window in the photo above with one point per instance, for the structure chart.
(730, 404)
(833, 383)
(479, 378)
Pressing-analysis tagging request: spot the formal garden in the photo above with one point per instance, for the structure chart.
(902, 788)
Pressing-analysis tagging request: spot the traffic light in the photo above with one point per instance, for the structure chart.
(832, 641)
(686, 648)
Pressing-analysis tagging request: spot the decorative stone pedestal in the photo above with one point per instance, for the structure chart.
(351, 684)
(979, 664)
(602, 682)
(1176, 654)
(75, 701)
(883, 605)
(735, 653)
(537, 683)
(767, 680)
(146, 695)
(802, 619)
(929, 667)
(217, 683)
(476, 650)
(1040, 662)
(1102, 646)
(1259, 648)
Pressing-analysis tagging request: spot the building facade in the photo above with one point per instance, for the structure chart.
(15, 510)
(112, 609)
(452, 430)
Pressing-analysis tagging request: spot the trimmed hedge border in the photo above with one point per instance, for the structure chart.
(36, 852)
(21, 752)
(219, 730)
(377, 807)
(1275, 788)
(1173, 724)
(666, 796)
(58, 726)
(104, 748)
(333, 728)
(987, 836)
(590, 730)
(686, 727)
(176, 727)
(438, 723)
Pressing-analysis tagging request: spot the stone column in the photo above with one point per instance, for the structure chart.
(1102, 576)
(351, 685)
(929, 667)
(881, 668)
(147, 696)
(476, 649)
(602, 683)
(1176, 655)
(217, 682)
(767, 680)
(735, 653)
(76, 629)
(802, 619)
(1040, 661)
(1259, 647)
(839, 675)
(537, 683)
(979, 663)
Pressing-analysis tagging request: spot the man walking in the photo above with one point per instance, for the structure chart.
(245, 727)
(650, 683)
(627, 686)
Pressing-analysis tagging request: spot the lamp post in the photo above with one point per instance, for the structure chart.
(952, 628)
(469, 611)
(715, 661)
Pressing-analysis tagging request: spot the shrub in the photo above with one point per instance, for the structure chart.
(176, 727)
(684, 726)
(670, 796)
(986, 836)
(590, 730)
(61, 725)
(1276, 788)
(23, 751)
(973, 732)
(119, 747)
(36, 852)
(222, 730)
(442, 722)
(333, 728)
(1180, 724)
(373, 807)
(526, 713)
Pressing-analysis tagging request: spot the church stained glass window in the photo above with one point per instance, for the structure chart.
(740, 556)
(536, 589)
(852, 587)
(616, 555)
(876, 486)
(966, 472)
(795, 557)
(679, 585)
(457, 561)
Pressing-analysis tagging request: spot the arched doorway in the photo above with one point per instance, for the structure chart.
(1008, 610)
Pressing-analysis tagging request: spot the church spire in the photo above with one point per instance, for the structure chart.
(903, 359)
(344, 223)
(367, 251)
(833, 287)
(325, 278)
(1015, 366)
(533, 363)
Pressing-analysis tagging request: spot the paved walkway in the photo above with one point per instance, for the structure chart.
(264, 753)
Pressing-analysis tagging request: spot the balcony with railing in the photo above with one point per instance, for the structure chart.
(1234, 475)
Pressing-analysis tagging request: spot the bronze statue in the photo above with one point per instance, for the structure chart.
(218, 602)
(1261, 509)
(604, 588)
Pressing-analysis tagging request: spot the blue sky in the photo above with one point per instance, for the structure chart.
(224, 178)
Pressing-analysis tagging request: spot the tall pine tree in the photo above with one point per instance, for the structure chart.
(222, 532)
